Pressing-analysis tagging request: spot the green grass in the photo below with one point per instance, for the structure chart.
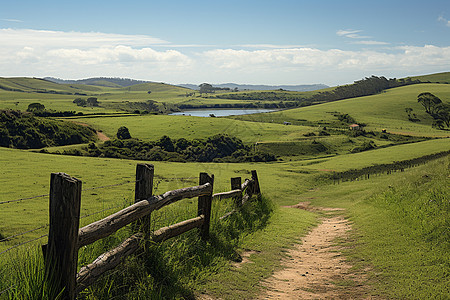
(153, 127)
(382, 111)
(438, 77)
(400, 236)
(400, 220)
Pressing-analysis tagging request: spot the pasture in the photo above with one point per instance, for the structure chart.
(381, 111)
(399, 238)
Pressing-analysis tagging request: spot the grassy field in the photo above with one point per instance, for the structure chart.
(400, 220)
(153, 127)
(382, 111)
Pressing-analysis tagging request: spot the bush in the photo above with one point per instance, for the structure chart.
(123, 133)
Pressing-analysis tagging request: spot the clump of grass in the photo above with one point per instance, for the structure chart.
(23, 276)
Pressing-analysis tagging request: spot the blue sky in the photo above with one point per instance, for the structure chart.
(259, 42)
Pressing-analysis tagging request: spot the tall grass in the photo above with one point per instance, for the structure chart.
(405, 234)
(166, 270)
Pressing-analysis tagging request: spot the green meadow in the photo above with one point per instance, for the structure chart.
(400, 221)
(382, 111)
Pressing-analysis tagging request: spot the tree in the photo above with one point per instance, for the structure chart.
(80, 102)
(92, 101)
(429, 102)
(206, 88)
(35, 107)
(123, 133)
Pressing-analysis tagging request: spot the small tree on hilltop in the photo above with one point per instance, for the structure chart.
(35, 107)
(123, 133)
(92, 101)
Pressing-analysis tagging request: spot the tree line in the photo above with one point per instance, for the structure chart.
(217, 148)
(25, 131)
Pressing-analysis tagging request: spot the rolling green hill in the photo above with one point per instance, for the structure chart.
(434, 78)
(382, 111)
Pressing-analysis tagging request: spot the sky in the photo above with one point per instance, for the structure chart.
(249, 42)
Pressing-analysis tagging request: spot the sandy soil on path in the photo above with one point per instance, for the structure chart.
(315, 269)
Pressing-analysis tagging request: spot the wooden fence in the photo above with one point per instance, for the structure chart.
(65, 237)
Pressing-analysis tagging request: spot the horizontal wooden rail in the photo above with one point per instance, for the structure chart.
(171, 231)
(111, 259)
(107, 261)
(107, 226)
(229, 194)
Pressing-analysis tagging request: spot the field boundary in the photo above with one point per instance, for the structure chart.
(65, 237)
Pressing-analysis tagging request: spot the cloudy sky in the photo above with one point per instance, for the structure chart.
(257, 42)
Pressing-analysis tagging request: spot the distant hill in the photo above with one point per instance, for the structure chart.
(100, 81)
(38, 85)
(241, 87)
(434, 78)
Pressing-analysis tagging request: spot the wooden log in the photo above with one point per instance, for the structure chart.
(226, 195)
(204, 205)
(111, 259)
(171, 231)
(107, 261)
(62, 251)
(103, 228)
(144, 190)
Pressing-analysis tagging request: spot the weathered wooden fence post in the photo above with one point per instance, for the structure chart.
(61, 254)
(144, 190)
(204, 205)
(236, 183)
(256, 188)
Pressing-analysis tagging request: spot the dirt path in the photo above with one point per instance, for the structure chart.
(315, 268)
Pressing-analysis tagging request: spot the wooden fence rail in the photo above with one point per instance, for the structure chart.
(65, 236)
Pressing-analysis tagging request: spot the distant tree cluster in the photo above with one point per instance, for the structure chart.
(39, 110)
(435, 108)
(218, 148)
(91, 101)
(205, 88)
(26, 131)
(365, 87)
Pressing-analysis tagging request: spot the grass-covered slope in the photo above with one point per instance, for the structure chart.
(436, 78)
(381, 111)
(153, 127)
(401, 238)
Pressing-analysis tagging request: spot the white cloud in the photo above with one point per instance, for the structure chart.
(314, 59)
(370, 43)
(27, 52)
(48, 38)
(12, 20)
(444, 20)
(119, 54)
(352, 34)
(269, 46)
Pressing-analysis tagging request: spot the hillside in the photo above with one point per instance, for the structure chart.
(37, 85)
(100, 81)
(382, 111)
(434, 78)
(261, 87)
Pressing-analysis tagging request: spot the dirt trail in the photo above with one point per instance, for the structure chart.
(315, 268)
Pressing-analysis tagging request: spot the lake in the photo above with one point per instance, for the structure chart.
(221, 112)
